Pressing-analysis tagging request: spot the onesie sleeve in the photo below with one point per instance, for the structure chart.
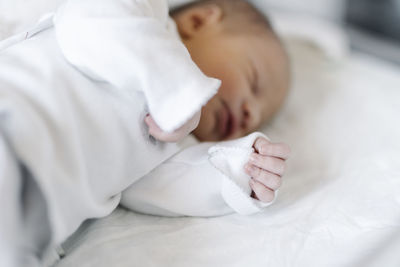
(127, 44)
(204, 180)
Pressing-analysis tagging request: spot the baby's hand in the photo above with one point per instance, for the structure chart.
(266, 167)
(176, 135)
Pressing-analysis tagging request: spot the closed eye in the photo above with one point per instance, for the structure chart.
(254, 84)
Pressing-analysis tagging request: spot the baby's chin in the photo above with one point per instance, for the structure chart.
(204, 137)
(207, 137)
(204, 132)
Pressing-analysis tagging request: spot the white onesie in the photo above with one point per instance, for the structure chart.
(73, 95)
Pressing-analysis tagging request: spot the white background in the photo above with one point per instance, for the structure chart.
(17, 15)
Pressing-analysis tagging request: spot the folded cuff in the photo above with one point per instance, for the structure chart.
(229, 158)
(177, 108)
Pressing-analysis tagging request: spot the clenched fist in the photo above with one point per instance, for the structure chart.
(266, 167)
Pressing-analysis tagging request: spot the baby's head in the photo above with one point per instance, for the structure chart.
(230, 40)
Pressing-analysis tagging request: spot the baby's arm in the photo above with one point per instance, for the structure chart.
(208, 179)
(127, 44)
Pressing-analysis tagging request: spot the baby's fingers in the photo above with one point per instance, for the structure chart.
(177, 134)
(271, 164)
(159, 134)
(153, 127)
(265, 147)
(262, 193)
(268, 179)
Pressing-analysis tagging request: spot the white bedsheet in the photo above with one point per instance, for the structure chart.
(340, 202)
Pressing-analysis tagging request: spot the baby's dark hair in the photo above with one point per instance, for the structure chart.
(239, 15)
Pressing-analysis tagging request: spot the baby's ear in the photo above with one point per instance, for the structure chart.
(198, 18)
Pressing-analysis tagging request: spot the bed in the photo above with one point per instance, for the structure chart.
(340, 201)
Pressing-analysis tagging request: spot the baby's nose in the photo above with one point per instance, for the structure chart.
(246, 115)
(249, 118)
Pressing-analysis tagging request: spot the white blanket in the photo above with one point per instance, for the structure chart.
(339, 204)
(73, 110)
(72, 116)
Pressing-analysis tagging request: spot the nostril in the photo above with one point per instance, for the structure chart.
(245, 118)
(246, 113)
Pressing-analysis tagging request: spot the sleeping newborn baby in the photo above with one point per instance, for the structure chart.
(76, 94)
(231, 41)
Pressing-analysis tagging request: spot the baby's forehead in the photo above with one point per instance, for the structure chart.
(269, 60)
(262, 45)
(263, 52)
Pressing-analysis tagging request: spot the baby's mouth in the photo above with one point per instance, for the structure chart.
(225, 121)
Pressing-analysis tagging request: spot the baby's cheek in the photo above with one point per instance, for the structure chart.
(205, 129)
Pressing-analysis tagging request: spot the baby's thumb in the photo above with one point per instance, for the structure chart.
(154, 130)
(159, 134)
(175, 136)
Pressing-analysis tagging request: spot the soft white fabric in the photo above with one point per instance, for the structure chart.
(10, 222)
(77, 125)
(44, 23)
(84, 140)
(24, 225)
(207, 179)
(293, 19)
(19, 15)
(127, 43)
(332, 10)
(323, 35)
(73, 133)
(339, 204)
(202, 180)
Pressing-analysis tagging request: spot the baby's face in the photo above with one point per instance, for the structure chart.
(253, 69)
(253, 72)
